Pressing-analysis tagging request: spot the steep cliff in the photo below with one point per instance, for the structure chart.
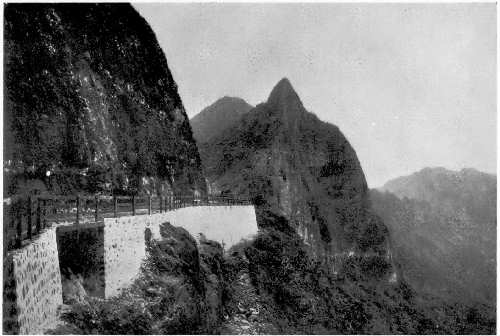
(443, 225)
(216, 118)
(90, 104)
(300, 168)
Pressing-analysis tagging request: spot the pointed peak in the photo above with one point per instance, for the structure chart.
(284, 84)
(283, 92)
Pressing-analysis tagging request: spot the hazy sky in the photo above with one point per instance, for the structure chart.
(409, 85)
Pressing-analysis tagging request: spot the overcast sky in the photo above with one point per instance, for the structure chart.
(410, 85)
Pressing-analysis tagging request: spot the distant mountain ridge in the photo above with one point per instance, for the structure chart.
(468, 187)
(219, 116)
(443, 225)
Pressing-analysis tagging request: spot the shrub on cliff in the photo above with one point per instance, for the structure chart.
(359, 299)
(179, 291)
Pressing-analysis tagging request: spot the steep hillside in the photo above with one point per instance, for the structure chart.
(90, 101)
(216, 118)
(318, 234)
(443, 227)
(300, 168)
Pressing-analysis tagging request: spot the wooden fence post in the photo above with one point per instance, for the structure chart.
(19, 227)
(38, 216)
(133, 205)
(115, 206)
(44, 213)
(149, 204)
(30, 232)
(96, 208)
(77, 209)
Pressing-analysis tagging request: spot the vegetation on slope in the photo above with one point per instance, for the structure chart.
(181, 290)
(312, 299)
(267, 285)
(89, 98)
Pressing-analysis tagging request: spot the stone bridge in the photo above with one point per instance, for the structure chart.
(107, 255)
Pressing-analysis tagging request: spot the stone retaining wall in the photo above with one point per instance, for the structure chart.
(124, 237)
(33, 286)
(32, 277)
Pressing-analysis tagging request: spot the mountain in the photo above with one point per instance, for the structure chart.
(90, 101)
(443, 227)
(91, 106)
(219, 116)
(301, 168)
(323, 262)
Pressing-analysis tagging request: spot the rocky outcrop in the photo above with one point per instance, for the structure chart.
(298, 167)
(179, 291)
(91, 105)
(218, 117)
(248, 311)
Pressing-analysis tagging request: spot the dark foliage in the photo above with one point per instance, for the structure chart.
(352, 301)
(179, 291)
(89, 97)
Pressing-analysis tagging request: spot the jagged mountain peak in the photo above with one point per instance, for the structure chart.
(284, 95)
(298, 167)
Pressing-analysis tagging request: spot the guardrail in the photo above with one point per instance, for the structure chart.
(25, 216)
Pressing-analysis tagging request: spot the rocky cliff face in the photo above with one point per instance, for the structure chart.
(443, 225)
(90, 101)
(300, 168)
(216, 118)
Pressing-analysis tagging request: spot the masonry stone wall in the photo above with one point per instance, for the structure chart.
(124, 251)
(33, 285)
(32, 277)
(124, 237)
